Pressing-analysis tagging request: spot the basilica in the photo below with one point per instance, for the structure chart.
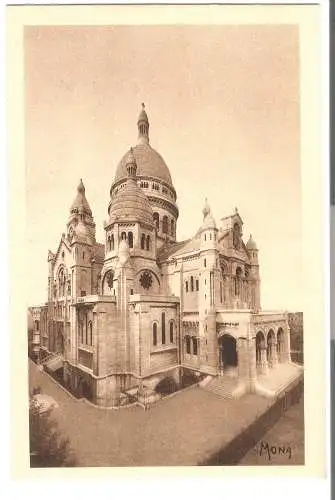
(140, 310)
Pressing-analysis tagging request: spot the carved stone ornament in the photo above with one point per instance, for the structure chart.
(146, 280)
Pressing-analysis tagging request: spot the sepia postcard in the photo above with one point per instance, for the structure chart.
(167, 240)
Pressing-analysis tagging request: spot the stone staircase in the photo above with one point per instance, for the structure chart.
(53, 362)
(222, 386)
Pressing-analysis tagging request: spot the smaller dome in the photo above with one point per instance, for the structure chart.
(209, 221)
(251, 245)
(130, 203)
(82, 233)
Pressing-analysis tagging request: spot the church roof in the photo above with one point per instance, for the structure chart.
(178, 249)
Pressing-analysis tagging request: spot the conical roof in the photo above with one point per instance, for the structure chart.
(80, 203)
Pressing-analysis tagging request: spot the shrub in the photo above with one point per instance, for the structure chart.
(47, 447)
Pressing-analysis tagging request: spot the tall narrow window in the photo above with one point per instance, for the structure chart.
(154, 334)
(195, 346)
(186, 286)
(205, 263)
(156, 220)
(142, 241)
(172, 227)
(112, 242)
(197, 285)
(109, 243)
(165, 225)
(171, 332)
(192, 284)
(148, 242)
(130, 239)
(221, 292)
(123, 236)
(188, 344)
(163, 328)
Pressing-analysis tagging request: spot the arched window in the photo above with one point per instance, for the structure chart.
(165, 225)
(205, 263)
(109, 243)
(205, 236)
(221, 297)
(236, 236)
(148, 242)
(156, 220)
(186, 286)
(195, 346)
(172, 227)
(112, 242)
(90, 333)
(188, 344)
(130, 239)
(154, 334)
(163, 328)
(192, 284)
(171, 331)
(197, 285)
(142, 241)
(123, 236)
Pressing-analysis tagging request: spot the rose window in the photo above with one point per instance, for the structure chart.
(146, 280)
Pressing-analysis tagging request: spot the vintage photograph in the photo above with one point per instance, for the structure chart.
(164, 235)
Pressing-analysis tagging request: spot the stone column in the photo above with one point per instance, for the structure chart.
(243, 358)
(264, 362)
(273, 354)
(221, 366)
(252, 364)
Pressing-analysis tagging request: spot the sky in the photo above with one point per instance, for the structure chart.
(223, 106)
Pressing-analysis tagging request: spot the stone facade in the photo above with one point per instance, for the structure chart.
(141, 308)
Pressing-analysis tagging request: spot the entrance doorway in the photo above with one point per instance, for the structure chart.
(228, 353)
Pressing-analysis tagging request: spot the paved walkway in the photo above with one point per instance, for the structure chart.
(287, 432)
(181, 430)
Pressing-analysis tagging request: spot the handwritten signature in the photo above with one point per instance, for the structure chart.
(273, 451)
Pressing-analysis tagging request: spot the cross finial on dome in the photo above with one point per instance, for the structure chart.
(143, 105)
(236, 210)
(206, 210)
(81, 187)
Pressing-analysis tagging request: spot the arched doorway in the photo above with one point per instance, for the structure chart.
(228, 352)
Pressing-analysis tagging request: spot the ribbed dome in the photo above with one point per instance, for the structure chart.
(149, 163)
(130, 203)
(251, 244)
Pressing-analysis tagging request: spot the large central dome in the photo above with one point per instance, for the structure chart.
(149, 164)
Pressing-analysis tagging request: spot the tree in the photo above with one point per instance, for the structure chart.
(47, 447)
